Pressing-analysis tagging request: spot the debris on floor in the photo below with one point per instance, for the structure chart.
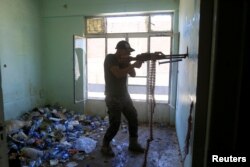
(52, 135)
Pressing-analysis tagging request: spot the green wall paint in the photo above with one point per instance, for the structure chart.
(94, 7)
(62, 19)
(58, 59)
(38, 72)
(20, 56)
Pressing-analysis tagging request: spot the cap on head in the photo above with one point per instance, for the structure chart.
(124, 45)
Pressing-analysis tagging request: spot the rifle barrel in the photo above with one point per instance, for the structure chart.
(170, 61)
(156, 56)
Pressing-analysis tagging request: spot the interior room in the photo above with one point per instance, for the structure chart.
(52, 54)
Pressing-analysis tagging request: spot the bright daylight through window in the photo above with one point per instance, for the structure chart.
(145, 33)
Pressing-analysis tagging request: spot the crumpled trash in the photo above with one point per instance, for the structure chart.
(15, 125)
(85, 144)
(78, 156)
(53, 162)
(71, 164)
(32, 152)
(35, 163)
(43, 137)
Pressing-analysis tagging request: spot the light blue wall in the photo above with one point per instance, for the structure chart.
(187, 78)
(20, 56)
(58, 59)
(37, 72)
(62, 19)
(94, 7)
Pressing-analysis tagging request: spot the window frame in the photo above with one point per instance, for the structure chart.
(147, 35)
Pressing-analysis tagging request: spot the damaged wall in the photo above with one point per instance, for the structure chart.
(20, 56)
(187, 76)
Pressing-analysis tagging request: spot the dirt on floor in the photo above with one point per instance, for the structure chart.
(163, 151)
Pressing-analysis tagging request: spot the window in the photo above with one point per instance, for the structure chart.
(145, 33)
(95, 59)
(127, 24)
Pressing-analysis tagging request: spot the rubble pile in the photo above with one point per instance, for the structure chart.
(52, 135)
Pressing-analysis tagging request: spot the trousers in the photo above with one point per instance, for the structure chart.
(117, 106)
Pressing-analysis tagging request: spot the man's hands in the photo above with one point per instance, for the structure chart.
(138, 64)
(125, 67)
(124, 59)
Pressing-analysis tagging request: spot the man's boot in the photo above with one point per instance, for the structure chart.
(107, 150)
(134, 146)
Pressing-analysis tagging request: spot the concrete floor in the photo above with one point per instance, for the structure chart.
(163, 152)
